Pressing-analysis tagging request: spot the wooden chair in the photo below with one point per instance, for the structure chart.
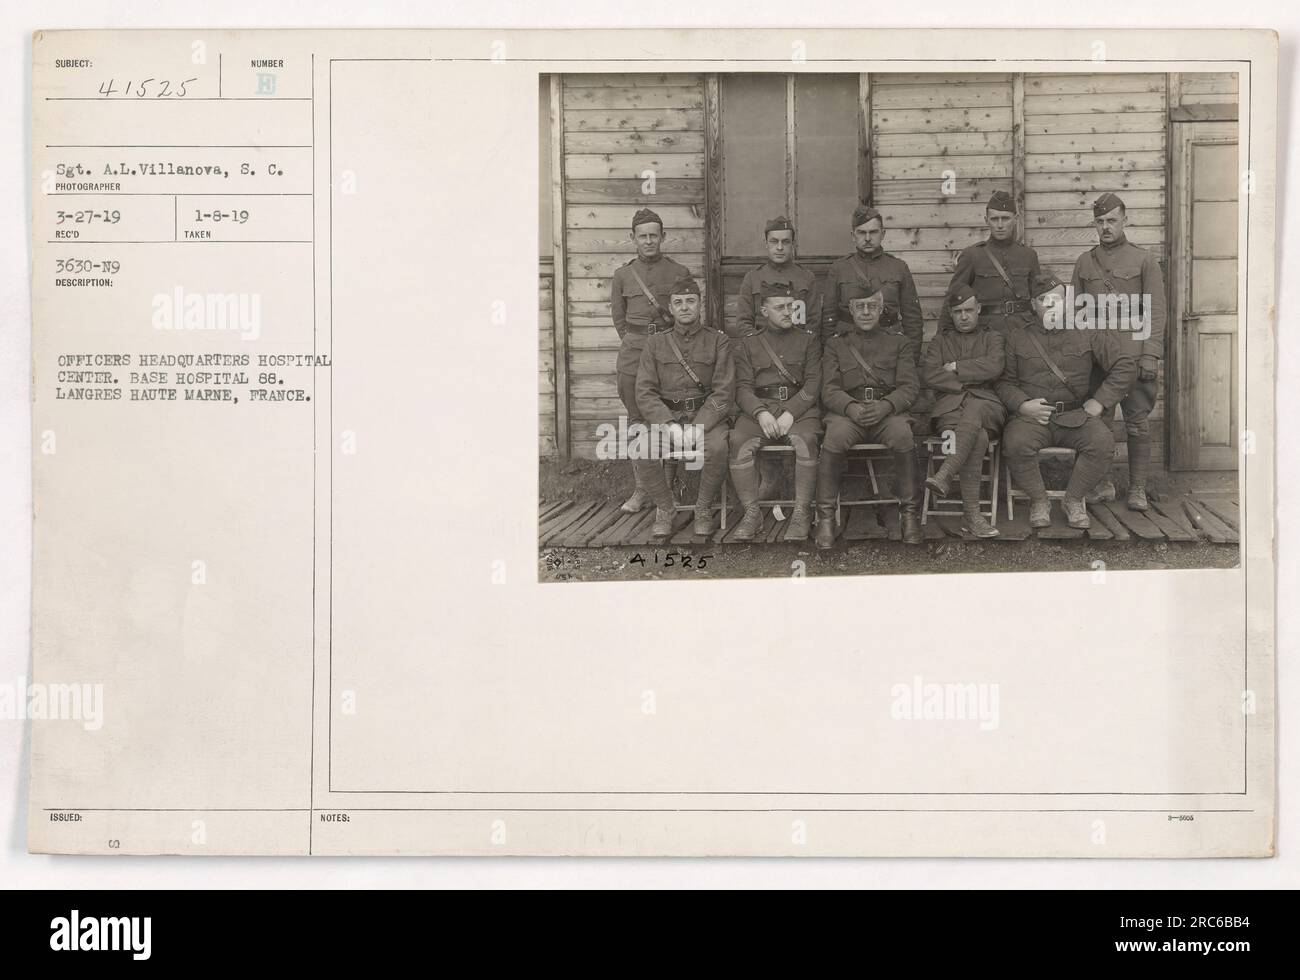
(1014, 494)
(872, 452)
(990, 473)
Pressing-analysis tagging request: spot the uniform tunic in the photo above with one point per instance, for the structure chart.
(1125, 269)
(862, 275)
(634, 316)
(1027, 376)
(980, 357)
(801, 280)
(800, 354)
(892, 360)
(660, 378)
(976, 269)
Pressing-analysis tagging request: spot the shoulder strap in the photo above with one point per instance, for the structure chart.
(1002, 272)
(677, 352)
(862, 363)
(646, 290)
(1042, 352)
(780, 365)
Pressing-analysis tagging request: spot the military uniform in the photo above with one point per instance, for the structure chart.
(1003, 306)
(1027, 376)
(802, 282)
(880, 272)
(777, 371)
(965, 402)
(666, 392)
(1124, 269)
(890, 379)
(635, 318)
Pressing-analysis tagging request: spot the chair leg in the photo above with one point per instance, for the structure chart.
(997, 471)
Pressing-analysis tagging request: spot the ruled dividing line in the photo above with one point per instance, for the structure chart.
(165, 101)
(186, 194)
(178, 146)
(178, 241)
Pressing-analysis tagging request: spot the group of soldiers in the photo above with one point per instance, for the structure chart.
(823, 369)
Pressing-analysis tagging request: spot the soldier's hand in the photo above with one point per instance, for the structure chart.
(857, 413)
(674, 437)
(1093, 407)
(1036, 410)
(784, 422)
(875, 411)
(951, 366)
(767, 422)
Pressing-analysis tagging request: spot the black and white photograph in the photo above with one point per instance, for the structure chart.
(865, 323)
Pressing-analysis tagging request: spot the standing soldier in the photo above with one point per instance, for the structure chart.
(638, 294)
(1000, 269)
(685, 384)
(778, 384)
(961, 365)
(780, 267)
(1117, 268)
(1048, 386)
(871, 269)
(869, 383)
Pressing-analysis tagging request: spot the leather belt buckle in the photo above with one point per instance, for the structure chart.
(1008, 306)
(868, 394)
(782, 392)
(1059, 407)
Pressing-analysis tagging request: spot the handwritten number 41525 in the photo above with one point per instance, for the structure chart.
(159, 88)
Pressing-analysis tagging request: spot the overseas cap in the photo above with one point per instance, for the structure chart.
(1046, 283)
(862, 214)
(773, 290)
(960, 294)
(780, 223)
(685, 286)
(1107, 202)
(644, 217)
(1001, 201)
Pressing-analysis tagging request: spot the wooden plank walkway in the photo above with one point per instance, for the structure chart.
(1177, 519)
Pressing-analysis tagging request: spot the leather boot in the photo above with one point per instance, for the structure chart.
(965, 438)
(830, 470)
(711, 478)
(652, 478)
(909, 519)
(1139, 465)
(805, 485)
(1076, 514)
(1040, 512)
(1105, 490)
(973, 521)
(639, 500)
(745, 480)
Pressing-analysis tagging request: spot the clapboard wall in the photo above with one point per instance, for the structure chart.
(546, 385)
(1056, 141)
(940, 145)
(616, 128)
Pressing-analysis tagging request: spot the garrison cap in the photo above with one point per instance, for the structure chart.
(685, 286)
(857, 292)
(1046, 283)
(1001, 201)
(779, 223)
(644, 217)
(773, 290)
(1107, 202)
(960, 294)
(862, 214)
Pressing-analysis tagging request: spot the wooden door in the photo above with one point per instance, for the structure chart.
(1203, 313)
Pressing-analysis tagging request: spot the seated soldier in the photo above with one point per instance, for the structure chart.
(1046, 386)
(778, 383)
(685, 385)
(868, 383)
(961, 364)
